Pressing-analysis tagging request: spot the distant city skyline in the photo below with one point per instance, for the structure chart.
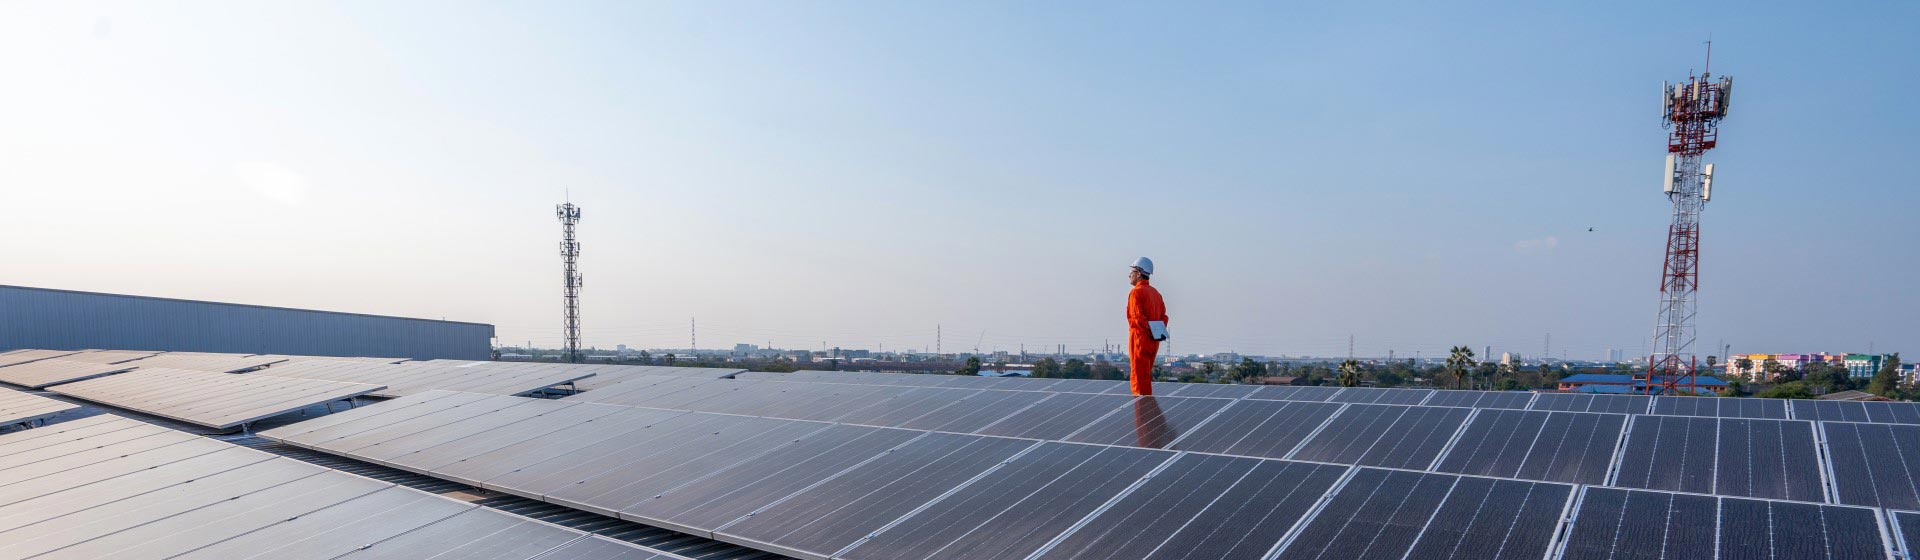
(1416, 176)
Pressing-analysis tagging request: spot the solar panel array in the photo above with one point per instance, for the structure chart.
(408, 378)
(216, 400)
(223, 363)
(603, 374)
(26, 408)
(106, 356)
(54, 371)
(109, 487)
(29, 355)
(1018, 474)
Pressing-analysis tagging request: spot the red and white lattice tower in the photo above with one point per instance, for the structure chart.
(1691, 110)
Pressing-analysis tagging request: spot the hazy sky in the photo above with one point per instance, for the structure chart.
(1418, 175)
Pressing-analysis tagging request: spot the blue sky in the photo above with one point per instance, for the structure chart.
(1417, 175)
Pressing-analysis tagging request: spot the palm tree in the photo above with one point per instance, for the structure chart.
(1349, 373)
(1746, 366)
(1460, 363)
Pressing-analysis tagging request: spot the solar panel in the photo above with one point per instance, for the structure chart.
(1256, 428)
(730, 493)
(413, 377)
(1404, 437)
(1617, 404)
(1617, 523)
(29, 355)
(1018, 510)
(200, 498)
(1874, 464)
(1480, 399)
(975, 411)
(1292, 393)
(1154, 422)
(216, 400)
(23, 408)
(54, 371)
(1721, 407)
(612, 482)
(1371, 395)
(1387, 514)
(1742, 457)
(1854, 411)
(1203, 507)
(105, 356)
(1059, 415)
(1905, 530)
(845, 508)
(1211, 390)
(1575, 447)
(218, 363)
(897, 409)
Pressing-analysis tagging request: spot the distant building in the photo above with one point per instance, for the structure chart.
(1863, 365)
(1616, 355)
(1907, 372)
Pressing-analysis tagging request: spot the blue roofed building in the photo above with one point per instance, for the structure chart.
(1619, 383)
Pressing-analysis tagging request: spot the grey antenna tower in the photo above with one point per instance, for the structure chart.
(570, 252)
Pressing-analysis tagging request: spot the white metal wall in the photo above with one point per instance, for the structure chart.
(67, 320)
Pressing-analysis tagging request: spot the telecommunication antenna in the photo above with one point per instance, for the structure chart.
(1691, 111)
(570, 253)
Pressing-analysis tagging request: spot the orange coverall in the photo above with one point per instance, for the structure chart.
(1143, 304)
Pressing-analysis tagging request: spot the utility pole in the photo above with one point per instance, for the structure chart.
(693, 334)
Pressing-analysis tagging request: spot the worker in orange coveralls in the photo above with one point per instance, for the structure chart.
(1146, 326)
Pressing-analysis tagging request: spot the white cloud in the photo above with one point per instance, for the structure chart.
(274, 182)
(1537, 245)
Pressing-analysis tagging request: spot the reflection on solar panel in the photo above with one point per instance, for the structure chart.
(221, 363)
(1617, 404)
(1537, 445)
(1397, 514)
(1259, 428)
(41, 373)
(23, 408)
(1729, 456)
(217, 400)
(1874, 464)
(1369, 395)
(409, 378)
(1403, 437)
(1481, 399)
(1203, 506)
(1615, 523)
(106, 486)
(1725, 408)
(29, 355)
(1858, 411)
(1154, 422)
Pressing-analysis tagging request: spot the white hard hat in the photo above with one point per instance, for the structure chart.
(1144, 264)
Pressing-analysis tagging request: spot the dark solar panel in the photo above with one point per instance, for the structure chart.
(1480, 399)
(1670, 453)
(1203, 507)
(1258, 428)
(1371, 395)
(738, 490)
(1617, 404)
(1614, 523)
(1019, 509)
(1875, 464)
(1721, 407)
(974, 412)
(1152, 422)
(1537, 445)
(1837, 411)
(846, 508)
(1212, 390)
(1768, 459)
(1892, 412)
(1387, 514)
(638, 474)
(1406, 437)
(1292, 393)
(893, 410)
(1060, 415)
(1908, 534)
(1485, 518)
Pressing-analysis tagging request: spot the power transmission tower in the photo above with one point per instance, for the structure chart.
(1692, 111)
(570, 253)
